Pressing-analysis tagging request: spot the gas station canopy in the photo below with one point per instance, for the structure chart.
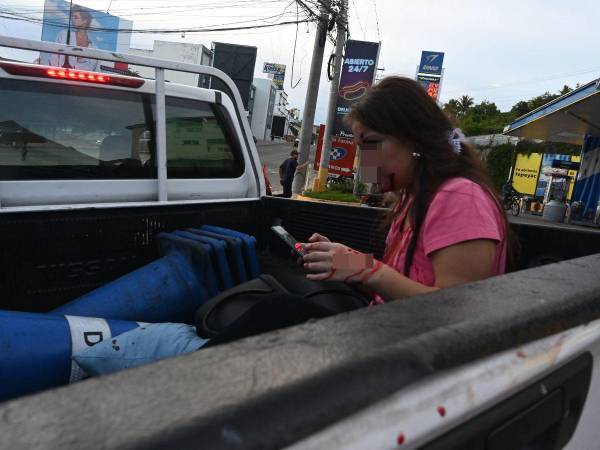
(567, 119)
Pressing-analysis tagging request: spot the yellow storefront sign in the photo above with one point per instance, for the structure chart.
(573, 175)
(527, 170)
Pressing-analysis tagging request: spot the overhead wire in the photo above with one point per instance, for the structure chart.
(169, 30)
(210, 5)
(358, 19)
(377, 20)
(367, 18)
(271, 21)
(292, 85)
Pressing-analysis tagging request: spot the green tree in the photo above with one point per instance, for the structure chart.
(565, 90)
(464, 104)
(498, 161)
(520, 108)
(486, 118)
(485, 109)
(452, 108)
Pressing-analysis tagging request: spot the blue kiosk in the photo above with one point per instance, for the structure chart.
(573, 118)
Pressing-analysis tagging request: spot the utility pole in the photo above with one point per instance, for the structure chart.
(342, 26)
(308, 117)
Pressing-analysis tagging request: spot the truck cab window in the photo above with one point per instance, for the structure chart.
(201, 142)
(73, 132)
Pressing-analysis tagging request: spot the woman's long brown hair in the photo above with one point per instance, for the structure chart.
(401, 108)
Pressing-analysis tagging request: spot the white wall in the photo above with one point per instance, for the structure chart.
(261, 104)
(175, 51)
(281, 109)
(124, 39)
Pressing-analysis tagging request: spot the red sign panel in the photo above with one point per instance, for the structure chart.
(341, 154)
(431, 84)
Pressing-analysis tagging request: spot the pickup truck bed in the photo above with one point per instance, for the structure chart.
(276, 389)
(508, 362)
(52, 257)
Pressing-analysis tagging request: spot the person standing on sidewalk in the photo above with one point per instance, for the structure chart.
(287, 169)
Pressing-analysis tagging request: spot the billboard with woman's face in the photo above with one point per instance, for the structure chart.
(87, 28)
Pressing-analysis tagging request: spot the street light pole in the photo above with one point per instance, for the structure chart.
(310, 104)
(342, 27)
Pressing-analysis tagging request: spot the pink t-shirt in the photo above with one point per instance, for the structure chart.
(460, 211)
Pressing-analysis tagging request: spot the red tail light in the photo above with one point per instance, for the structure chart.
(70, 74)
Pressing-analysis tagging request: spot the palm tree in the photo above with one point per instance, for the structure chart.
(464, 103)
(452, 108)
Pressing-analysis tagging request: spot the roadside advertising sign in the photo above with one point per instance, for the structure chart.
(238, 62)
(273, 68)
(88, 28)
(358, 72)
(526, 173)
(431, 63)
(341, 154)
(431, 84)
(429, 72)
(278, 72)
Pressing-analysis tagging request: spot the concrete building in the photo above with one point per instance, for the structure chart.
(268, 108)
(281, 115)
(261, 122)
(176, 51)
(492, 140)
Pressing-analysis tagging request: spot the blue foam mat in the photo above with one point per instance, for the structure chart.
(234, 250)
(218, 256)
(251, 258)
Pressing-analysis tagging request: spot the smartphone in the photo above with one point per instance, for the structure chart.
(288, 239)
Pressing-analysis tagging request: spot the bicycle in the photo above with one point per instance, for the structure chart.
(512, 202)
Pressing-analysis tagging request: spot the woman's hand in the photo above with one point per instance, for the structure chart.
(316, 237)
(337, 262)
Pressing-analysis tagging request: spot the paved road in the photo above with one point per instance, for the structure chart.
(273, 154)
(530, 219)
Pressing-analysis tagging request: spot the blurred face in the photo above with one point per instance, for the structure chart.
(384, 159)
(78, 20)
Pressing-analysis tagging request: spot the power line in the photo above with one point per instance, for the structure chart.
(137, 12)
(8, 14)
(292, 85)
(377, 19)
(358, 19)
(209, 5)
(163, 30)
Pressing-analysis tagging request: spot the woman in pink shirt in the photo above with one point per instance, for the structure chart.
(447, 227)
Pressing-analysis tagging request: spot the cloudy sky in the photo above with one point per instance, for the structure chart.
(503, 51)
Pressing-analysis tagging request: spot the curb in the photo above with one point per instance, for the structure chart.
(270, 143)
(319, 200)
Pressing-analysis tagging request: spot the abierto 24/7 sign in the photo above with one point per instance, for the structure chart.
(358, 72)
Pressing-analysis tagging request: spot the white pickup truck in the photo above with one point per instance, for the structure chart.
(93, 166)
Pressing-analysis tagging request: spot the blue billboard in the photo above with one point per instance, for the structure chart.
(431, 62)
(357, 75)
(87, 28)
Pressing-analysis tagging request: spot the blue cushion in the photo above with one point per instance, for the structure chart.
(142, 345)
